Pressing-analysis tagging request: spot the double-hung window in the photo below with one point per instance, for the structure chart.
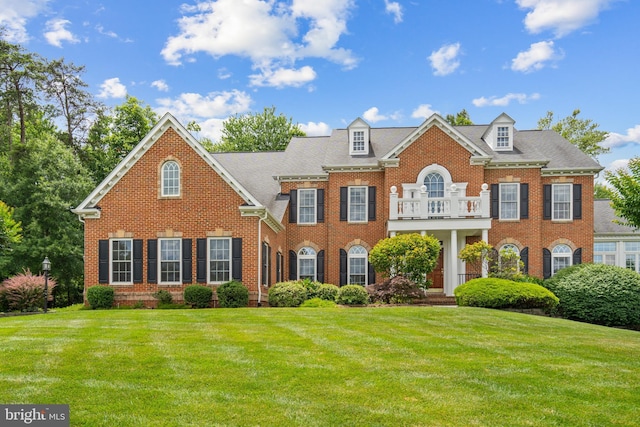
(307, 206)
(502, 138)
(604, 253)
(561, 201)
(121, 261)
(509, 198)
(170, 179)
(307, 264)
(170, 260)
(357, 259)
(358, 204)
(358, 142)
(632, 256)
(560, 258)
(219, 260)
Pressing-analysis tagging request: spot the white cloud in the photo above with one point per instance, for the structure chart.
(14, 15)
(561, 16)
(283, 77)
(224, 73)
(57, 33)
(161, 85)
(112, 88)
(316, 129)
(445, 60)
(373, 115)
(276, 40)
(423, 111)
(394, 8)
(619, 140)
(493, 101)
(535, 58)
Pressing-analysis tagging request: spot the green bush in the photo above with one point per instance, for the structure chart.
(287, 294)
(327, 292)
(601, 294)
(397, 290)
(233, 295)
(352, 295)
(552, 281)
(198, 296)
(502, 293)
(100, 296)
(163, 296)
(311, 286)
(318, 302)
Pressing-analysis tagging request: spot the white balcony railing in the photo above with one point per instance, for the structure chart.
(425, 207)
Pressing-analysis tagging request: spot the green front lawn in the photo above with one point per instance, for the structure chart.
(321, 367)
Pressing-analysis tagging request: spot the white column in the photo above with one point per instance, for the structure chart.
(393, 203)
(452, 280)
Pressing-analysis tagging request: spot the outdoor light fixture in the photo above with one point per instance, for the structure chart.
(46, 267)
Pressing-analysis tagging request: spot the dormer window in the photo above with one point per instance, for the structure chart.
(358, 141)
(499, 134)
(502, 139)
(358, 138)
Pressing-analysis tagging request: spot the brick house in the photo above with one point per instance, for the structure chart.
(172, 214)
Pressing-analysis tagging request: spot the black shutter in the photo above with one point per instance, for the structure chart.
(187, 273)
(577, 201)
(577, 256)
(495, 201)
(263, 256)
(201, 260)
(236, 259)
(152, 261)
(293, 206)
(343, 267)
(137, 261)
(524, 201)
(546, 194)
(320, 267)
(103, 261)
(546, 263)
(320, 204)
(372, 203)
(344, 203)
(278, 267)
(524, 257)
(293, 265)
(372, 274)
(269, 269)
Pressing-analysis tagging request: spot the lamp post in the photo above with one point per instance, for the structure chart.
(46, 267)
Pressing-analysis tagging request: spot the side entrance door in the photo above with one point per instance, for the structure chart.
(437, 275)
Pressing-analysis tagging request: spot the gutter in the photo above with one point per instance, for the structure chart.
(260, 220)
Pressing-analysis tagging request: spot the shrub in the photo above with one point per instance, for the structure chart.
(398, 289)
(552, 281)
(327, 292)
(233, 295)
(502, 293)
(287, 294)
(198, 296)
(352, 295)
(311, 286)
(24, 292)
(163, 296)
(100, 296)
(318, 302)
(601, 294)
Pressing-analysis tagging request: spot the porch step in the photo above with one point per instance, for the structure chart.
(439, 299)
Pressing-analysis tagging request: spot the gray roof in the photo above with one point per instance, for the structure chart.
(604, 217)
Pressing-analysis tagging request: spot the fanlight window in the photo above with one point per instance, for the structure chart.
(435, 184)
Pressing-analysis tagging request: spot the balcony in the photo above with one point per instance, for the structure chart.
(424, 207)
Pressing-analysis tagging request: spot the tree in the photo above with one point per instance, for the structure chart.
(410, 255)
(460, 119)
(602, 191)
(10, 230)
(477, 256)
(625, 198)
(258, 132)
(583, 133)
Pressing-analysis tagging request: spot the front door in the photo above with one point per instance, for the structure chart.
(437, 275)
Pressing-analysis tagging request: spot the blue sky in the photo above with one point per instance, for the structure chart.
(325, 63)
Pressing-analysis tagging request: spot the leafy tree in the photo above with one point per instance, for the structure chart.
(601, 191)
(10, 230)
(477, 256)
(410, 255)
(460, 119)
(583, 133)
(264, 131)
(626, 197)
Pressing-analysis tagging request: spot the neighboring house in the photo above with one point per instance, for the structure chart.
(614, 243)
(172, 214)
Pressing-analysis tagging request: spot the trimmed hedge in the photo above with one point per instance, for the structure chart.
(327, 292)
(100, 296)
(198, 296)
(287, 294)
(502, 293)
(352, 295)
(318, 303)
(601, 294)
(233, 295)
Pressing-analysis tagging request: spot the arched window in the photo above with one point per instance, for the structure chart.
(357, 265)
(170, 179)
(509, 258)
(307, 263)
(435, 184)
(560, 258)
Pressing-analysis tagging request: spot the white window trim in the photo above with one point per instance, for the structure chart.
(555, 256)
(514, 248)
(314, 257)
(553, 202)
(350, 257)
(111, 269)
(352, 133)
(366, 204)
(315, 205)
(179, 281)
(509, 142)
(163, 189)
(517, 201)
(230, 261)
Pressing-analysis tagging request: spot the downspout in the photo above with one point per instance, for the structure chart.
(260, 220)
